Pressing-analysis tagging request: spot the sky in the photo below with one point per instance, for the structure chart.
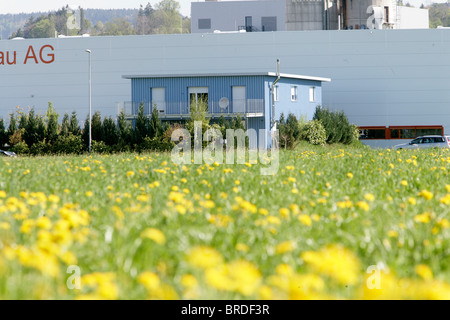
(28, 6)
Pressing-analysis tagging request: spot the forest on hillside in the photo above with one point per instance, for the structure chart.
(440, 15)
(163, 18)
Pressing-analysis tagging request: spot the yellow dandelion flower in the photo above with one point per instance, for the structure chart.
(69, 258)
(265, 293)
(273, 220)
(239, 276)
(143, 198)
(444, 223)
(423, 218)
(294, 209)
(189, 281)
(150, 280)
(344, 204)
(285, 246)
(350, 175)
(176, 197)
(154, 234)
(44, 223)
(305, 219)
(426, 194)
(392, 234)
(242, 247)
(27, 226)
(284, 269)
(445, 200)
(363, 205)
(181, 209)
(424, 271)
(335, 261)
(284, 212)
(299, 286)
(207, 204)
(204, 257)
(369, 197)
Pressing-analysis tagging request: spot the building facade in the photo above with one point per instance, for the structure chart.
(253, 96)
(380, 78)
(295, 15)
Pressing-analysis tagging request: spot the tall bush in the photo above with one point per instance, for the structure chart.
(337, 127)
(110, 132)
(52, 131)
(155, 127)
(141, 126)
(125, 133)
(315, 132)
(3, 134)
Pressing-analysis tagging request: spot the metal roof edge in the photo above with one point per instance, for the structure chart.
(271, 74)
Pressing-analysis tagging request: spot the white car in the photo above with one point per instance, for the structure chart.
(426, 142)
(7, 154)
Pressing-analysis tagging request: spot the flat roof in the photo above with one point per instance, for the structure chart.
(270, 74)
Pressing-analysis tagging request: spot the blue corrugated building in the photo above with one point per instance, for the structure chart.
(253, 96)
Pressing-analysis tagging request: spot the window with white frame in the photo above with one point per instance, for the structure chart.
(276, 95)
(294, 93)
(312, 94)
(198, 96)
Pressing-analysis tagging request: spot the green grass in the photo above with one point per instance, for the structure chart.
(387, 222)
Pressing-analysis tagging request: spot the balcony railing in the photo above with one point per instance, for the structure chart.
(181, 110)
(248, 28)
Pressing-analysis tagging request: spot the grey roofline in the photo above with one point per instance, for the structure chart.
(271, 74)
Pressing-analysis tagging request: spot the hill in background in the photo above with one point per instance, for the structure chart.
(165, 17)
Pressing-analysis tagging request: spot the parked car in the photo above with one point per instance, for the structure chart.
(7, 153)
(426, 142)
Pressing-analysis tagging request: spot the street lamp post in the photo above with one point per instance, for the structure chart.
(90, 101)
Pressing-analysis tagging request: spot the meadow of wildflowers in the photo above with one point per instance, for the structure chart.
(332, 223)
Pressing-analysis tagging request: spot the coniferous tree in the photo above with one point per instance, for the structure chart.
(3, 134)
(12, 125)
(52, 124)
(110, 132)
(85, 132)
(41, 129)
(125, 131)
(74, 127)
(30, 124)
(97, 127)
(23, 119)
(141, 126)
(155, 127)
(65, 125)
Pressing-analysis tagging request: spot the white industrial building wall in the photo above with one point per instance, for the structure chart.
(413, 18)
(230, 15)
(379, 77)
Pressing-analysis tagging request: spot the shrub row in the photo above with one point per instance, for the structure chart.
(34, 134)
(30, 133)
(325, 127)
